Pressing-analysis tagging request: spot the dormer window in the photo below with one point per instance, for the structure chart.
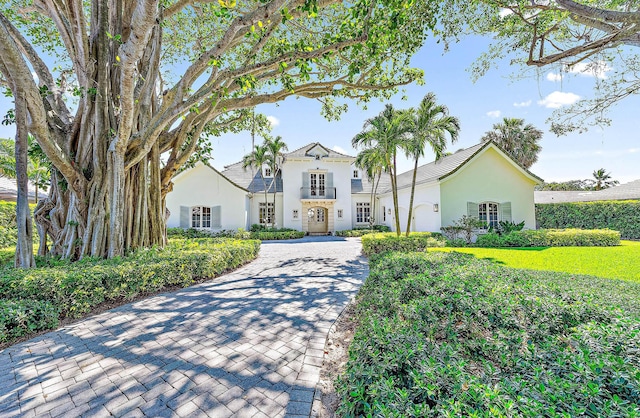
(355, 174)
(267, 172)
(317, 157)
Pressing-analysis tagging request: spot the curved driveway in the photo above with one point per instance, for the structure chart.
(246, 344)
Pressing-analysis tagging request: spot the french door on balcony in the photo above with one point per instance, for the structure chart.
(317, 184)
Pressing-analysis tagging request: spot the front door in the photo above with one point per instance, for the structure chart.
(318, 220)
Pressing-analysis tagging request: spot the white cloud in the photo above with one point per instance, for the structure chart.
(339, 149)
(505, 12)
(523, 104)
(273, 121)
(494, 113)
(35, 77)
(558, 99)
(597, 69)
(554, 76)
(633, 150)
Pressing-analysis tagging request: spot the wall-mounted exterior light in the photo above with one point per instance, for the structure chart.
(436, 207)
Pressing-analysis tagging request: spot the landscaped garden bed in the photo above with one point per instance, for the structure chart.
(35, 299)
(445, 334)
(390, 241)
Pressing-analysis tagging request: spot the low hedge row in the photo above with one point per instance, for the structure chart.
(277, 235)
(23, 317)
(75, 288)
(620, 215)
(389, 241)
(551, 238)
(444, 334)
(257, 233)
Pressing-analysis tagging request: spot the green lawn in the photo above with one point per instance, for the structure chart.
(621, 262)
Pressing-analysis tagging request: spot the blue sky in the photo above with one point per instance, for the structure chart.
(478, 106)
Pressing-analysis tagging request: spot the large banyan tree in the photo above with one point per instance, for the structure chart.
(118, 94)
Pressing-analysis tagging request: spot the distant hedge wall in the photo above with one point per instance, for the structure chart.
(619, 215)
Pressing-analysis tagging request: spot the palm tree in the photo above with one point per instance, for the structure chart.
(257, 159)
(431, 125)
(275, 149)
(603, 179)
(371, 161)
(520, 141)
(387, 132)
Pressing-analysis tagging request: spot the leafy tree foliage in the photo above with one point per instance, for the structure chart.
(520, 141)
(565, 35)
(136, 81)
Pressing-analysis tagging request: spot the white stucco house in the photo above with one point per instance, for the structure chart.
(320, 191)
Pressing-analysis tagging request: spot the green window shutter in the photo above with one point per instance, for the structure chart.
(216, 217)
(185, 217)
(505, 211)
(472, 209)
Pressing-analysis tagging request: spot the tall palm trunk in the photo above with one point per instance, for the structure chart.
(394, 190)
(375, 193)
(413, 189)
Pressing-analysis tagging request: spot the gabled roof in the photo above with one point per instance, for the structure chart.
(627, 191)
(221, 174)
(446, 166)
(313, 149)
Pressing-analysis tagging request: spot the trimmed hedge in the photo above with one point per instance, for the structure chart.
(551, 238)
(277, 235)
(358, 232)
(620, 215)
(389, 241)
(75, 288)
(23, 317)
(444, 334)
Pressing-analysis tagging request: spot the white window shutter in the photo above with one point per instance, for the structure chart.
(472, 210)
(216, 217)
(185, 217)
(505, 211)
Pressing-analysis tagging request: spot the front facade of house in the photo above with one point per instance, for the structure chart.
(320, 191)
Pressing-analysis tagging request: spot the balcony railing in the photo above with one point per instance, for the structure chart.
(317, 193)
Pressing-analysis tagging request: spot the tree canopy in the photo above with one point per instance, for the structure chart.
(520, 141)
(107, 88)
(597, 36)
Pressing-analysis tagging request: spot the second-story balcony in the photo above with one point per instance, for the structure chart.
(317, 193)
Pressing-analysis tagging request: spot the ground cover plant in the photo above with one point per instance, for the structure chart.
(619, 262)
(257, 232)
(389, 241)
(445, 334)
(34, 299)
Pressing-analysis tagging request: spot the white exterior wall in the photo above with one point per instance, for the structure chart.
(255, 207)
(202, 186)
(489, 177)
(292, 182)
(424, 217)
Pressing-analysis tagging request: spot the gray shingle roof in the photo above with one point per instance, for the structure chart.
(628, 191)
(9, 190)
(250, 178)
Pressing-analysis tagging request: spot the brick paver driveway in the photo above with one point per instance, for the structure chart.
(246, 344)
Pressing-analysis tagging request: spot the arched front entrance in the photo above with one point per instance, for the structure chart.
(318, 219)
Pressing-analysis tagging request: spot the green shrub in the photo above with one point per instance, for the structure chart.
(551, 238)
(277, 234)
(23, 317)
(8, 227)
(355, 232)
(389, 241)
(623, 216)
(75, 288)
(201, 233)
(444, 334)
